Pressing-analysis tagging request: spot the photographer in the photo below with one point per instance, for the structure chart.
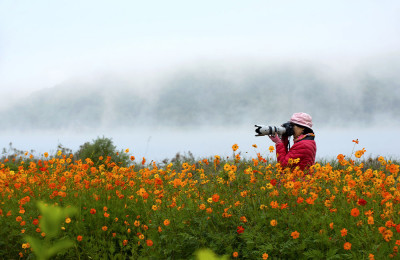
(304, 147)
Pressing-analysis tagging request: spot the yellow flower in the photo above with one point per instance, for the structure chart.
(67, 220)
(269, 186)
(271, 149)
(273, 223)
(227, 167)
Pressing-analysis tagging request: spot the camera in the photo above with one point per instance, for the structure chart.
(284, 129)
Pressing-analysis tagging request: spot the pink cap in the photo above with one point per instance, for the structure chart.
(302, 119)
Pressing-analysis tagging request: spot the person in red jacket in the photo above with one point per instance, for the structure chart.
(304, 149)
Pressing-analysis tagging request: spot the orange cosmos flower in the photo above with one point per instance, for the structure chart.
(149, 242)
(92, 211)
(355, 212)
(340, 157)
(166, 222)
(274, 204)
(79, 238)
(295, 235)
(274, 222)
(347, 246)
(235, 254)
(360, 153)
(240, 229)
(271, 149)
(355, 141)
(393, 169)
(215, 197)
(310, 200)
(265, 256)
(26, 245)
(235, 147)
(343, 232)
(104, 228)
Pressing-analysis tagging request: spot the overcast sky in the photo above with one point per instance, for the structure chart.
(46, 42)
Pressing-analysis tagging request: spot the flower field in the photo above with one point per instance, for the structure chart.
(347, 208)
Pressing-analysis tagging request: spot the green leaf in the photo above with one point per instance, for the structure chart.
(314, 254)
(59, 246)
(331, 254)
(207, 254)
(37, 247)
(52, 217)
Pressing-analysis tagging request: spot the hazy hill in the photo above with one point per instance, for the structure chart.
(194, 98)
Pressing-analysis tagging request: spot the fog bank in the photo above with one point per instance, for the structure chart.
(212, 97)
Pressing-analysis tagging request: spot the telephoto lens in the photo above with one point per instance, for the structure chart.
(262, 130)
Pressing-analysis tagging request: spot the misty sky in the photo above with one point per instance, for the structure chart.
(46, 42)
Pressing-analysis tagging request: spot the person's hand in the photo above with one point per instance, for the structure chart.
(275, 138)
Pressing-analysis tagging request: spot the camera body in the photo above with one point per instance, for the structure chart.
(284, 129)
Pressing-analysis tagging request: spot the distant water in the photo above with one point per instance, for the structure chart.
(159, 144)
